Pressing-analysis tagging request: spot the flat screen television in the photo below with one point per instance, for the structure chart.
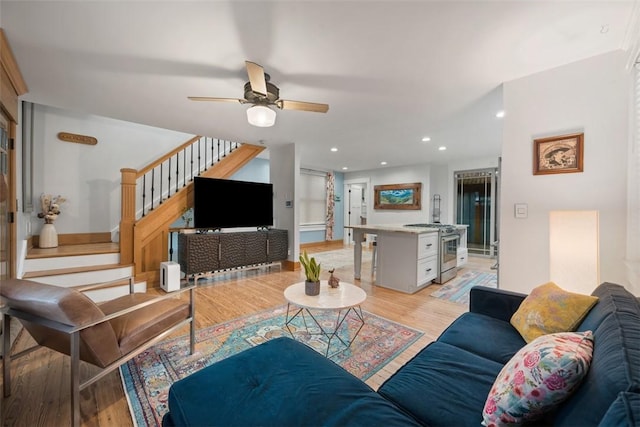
(225, 203)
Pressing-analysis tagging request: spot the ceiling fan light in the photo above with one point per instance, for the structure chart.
(261, 116)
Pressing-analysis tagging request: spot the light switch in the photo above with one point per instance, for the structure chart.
(521, 210)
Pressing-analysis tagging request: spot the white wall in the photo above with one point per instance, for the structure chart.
(257, 170)
(285, 172)
(89, 176)
(399, 175)
(590, 96)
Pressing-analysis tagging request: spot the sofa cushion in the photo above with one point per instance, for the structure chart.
(539, 377)
(279, 383)
(549, 309)
(615, 367)
(485, 336)
(623, 412)
(442, 385)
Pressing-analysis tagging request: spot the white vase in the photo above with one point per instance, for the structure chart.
(48, 237)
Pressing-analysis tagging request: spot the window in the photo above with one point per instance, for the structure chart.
(312, 197)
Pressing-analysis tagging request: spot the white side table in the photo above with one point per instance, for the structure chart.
(344, 299)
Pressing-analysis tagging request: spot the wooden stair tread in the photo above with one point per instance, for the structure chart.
(71, 270)
(74, 250)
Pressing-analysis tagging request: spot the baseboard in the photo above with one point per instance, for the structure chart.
(338, 244)
(291, 265)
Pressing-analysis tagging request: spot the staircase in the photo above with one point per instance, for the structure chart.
(81, 264)
(152, 199)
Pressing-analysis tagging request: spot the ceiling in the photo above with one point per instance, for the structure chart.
(391, 71)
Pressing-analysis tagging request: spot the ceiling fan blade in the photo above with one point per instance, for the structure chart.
(209, 98)
(256, 78)
(302, 106)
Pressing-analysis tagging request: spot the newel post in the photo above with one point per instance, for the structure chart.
(127, 213)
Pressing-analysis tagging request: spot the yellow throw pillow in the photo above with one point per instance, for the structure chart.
(549, 309)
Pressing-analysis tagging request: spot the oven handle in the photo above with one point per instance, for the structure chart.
(450, 238)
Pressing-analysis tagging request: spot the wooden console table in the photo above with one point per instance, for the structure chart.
(204, 254)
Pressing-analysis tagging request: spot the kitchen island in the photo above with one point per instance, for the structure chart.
(409, 257)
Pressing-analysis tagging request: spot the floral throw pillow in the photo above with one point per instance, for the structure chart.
(549, 309)
(538, 377)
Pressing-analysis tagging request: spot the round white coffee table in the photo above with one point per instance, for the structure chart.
(344, 299)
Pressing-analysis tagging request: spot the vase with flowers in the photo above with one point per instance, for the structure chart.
(50, 209)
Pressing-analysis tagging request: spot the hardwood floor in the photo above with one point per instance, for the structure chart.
(40, 387)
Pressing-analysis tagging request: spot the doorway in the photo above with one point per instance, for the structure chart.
(356, 207)
(475, 205)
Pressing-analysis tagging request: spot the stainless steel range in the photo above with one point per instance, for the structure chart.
(449, 239)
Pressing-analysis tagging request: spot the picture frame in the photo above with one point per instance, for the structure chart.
(398, 196)
(558, 154)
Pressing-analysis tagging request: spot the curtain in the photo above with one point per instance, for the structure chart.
(331, 183)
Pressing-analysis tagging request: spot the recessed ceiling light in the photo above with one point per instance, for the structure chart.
(500, 114)
(334, 149)
(442, 148)
(383, 163)
(426, 139)
(344, 168)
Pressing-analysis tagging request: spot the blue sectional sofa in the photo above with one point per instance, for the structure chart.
(285, 383)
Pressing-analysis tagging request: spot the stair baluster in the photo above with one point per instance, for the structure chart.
(144, 192)
(153, 186)
(199, 168)
(177, 171)
(161, 167)
(169, 178)
(191, 174)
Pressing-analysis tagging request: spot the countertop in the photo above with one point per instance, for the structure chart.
(397, 228)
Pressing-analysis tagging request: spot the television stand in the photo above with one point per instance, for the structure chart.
(208, 254)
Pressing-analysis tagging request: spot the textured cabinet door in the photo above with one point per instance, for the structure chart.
(198, 253)
(255, 248)
(278, 245)
(232, 250)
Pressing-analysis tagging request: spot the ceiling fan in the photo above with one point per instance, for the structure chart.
(260, 92)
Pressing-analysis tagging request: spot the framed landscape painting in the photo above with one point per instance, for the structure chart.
(558, 154)
(397, 196)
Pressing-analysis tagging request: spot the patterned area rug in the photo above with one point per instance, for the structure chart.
(147, 378)
(457, 289)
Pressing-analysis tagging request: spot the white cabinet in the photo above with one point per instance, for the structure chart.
(407, 262)
(427, 270)
(463, 252)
